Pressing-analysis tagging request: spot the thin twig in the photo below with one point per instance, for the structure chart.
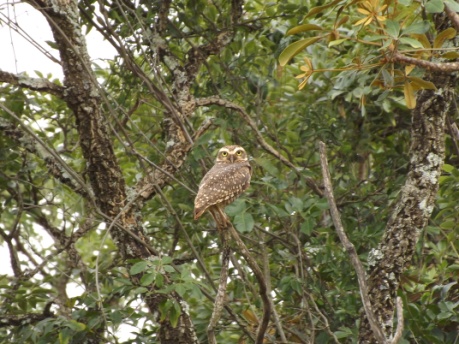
(400, 320)
(356, 263)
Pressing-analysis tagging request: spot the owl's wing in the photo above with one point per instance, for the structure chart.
(221, 185)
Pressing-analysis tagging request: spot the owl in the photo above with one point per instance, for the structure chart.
(225, 181)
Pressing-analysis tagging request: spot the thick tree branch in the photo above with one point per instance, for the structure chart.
(34, 84)
(443, 67)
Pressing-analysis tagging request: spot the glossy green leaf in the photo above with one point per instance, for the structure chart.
(295, 48)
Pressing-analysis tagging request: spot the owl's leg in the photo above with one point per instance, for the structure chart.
(224, 217)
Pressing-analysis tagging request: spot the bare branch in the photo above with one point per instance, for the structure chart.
(356, 263)
(34, 84)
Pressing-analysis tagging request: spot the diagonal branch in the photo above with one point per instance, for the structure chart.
(356, 263)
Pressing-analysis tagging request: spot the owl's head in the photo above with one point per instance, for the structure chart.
(231, 154)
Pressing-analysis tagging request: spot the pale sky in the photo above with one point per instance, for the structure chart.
(18, 55)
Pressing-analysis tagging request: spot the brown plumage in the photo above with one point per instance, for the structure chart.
(225, 181)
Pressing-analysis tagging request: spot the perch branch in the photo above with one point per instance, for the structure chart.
(221, 293)
(243, 250)
(216, 100)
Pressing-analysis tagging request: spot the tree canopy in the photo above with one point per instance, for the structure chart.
(348, 112)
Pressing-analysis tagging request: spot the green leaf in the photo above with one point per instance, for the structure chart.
(168, 268)
(148, 279)
(267, 165)
(434, 6)
(448, 168)
(412, 42)
(244, 222)
(159, 280)
(64, 337)
(237, 207)
(138, 267)
(418, 28)
(174, 315)
(76, 326)
(337, 42)
(453, 5)
(295, 48)
(303, 28)
(392, 28)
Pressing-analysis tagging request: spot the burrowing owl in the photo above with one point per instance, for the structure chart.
(225, 181)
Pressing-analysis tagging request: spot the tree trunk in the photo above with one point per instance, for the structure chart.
(414, 207)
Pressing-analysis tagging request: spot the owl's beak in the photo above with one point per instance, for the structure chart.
(232, 158)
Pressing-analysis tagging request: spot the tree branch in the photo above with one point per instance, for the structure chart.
(220, 298)
(262, 327)
(444, 67)
(34, 84)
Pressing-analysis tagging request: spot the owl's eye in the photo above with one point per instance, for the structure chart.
(239, 153)
(224, 153)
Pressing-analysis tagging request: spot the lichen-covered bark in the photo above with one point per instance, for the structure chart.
(415, 205)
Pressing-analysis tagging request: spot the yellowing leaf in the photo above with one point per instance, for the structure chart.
(421, 84)
(409, 69)
(303, 28)
(449, 33)
(423, 39)
(250, 316)
(295, 48)
(410, 98)
(450, 55)
(342, 21)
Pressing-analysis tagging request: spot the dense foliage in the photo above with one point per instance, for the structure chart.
(285, 223)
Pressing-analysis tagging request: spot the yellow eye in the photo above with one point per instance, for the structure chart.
(224, 153)
(239, 153)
